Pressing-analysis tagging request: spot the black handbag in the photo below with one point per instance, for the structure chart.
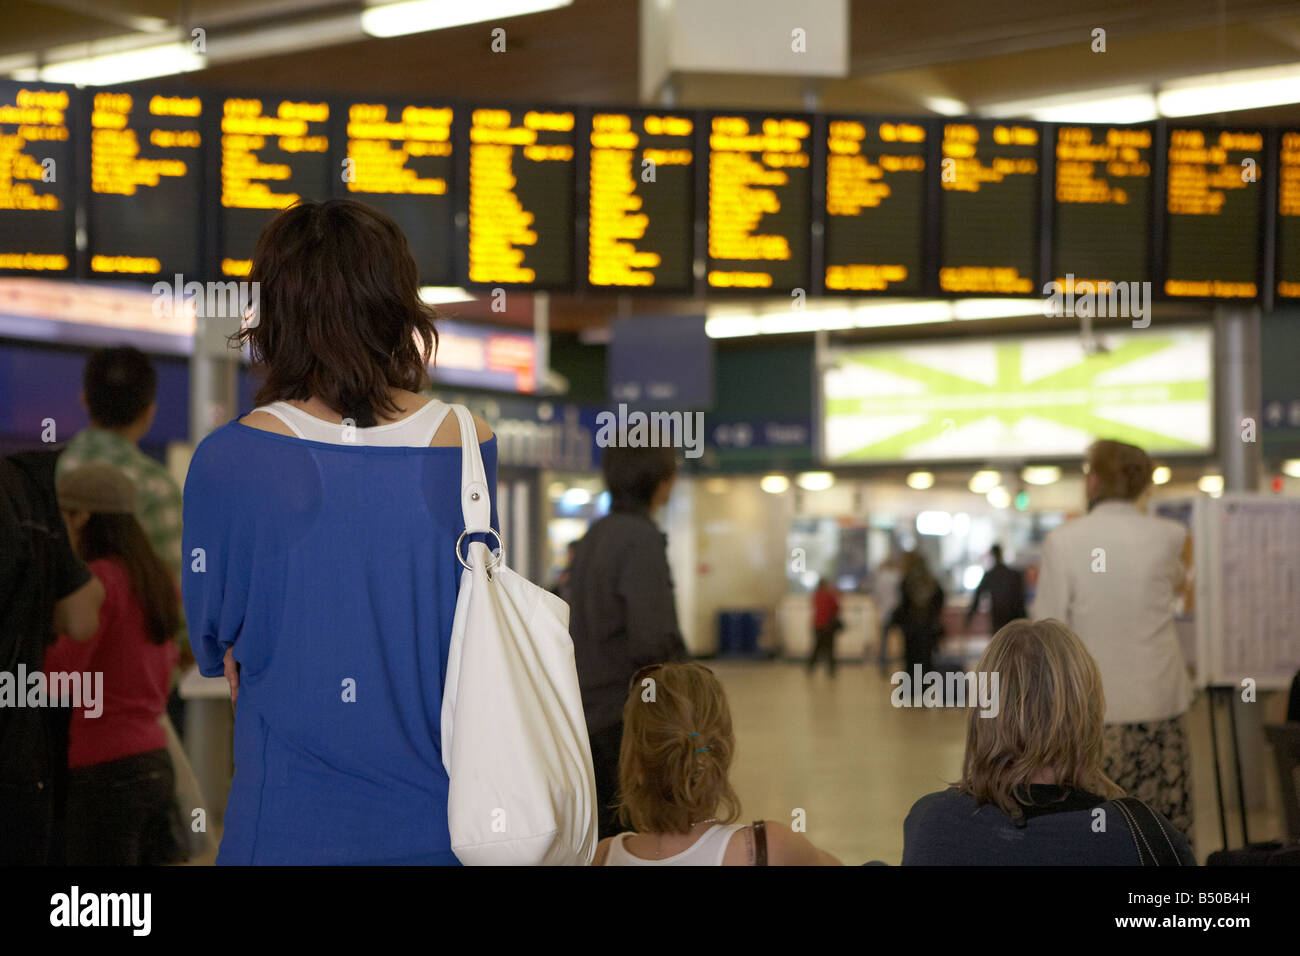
(1150, 833)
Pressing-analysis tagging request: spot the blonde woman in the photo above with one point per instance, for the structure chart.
(1114, 577)
(1032, 791)
(673, 787)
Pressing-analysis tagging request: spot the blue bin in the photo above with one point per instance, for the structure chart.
(738, 633)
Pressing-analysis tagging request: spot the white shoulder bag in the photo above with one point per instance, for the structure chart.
(514, 738)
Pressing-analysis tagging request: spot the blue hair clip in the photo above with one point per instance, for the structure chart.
(692, 735)
(701, 750)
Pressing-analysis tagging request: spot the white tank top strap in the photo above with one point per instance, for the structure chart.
(286, 413)
(415, 430)
(708, 850)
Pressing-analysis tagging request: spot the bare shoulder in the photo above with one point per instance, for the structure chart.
(449, 431)
(787, 848)
(602, 851)
(265, 421)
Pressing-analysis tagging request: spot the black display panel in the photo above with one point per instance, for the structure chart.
(38, 215)
(1102, 205)
(274, 151)
(641, 200)
(1288, 216)
(990, 177)
(521, 198)
(146, 184)
(1214, 203)
(875, 205)
(759, 201)
(397, 157)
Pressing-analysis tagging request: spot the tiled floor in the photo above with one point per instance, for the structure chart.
(838, 750)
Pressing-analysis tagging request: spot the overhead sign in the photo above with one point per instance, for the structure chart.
(1019, 397)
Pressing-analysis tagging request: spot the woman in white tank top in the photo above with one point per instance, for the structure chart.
(415, 430)
(673, 786)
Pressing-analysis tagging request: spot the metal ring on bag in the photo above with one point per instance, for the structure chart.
(500, 551)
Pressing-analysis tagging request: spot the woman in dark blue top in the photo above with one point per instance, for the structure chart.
(1032, 791)
(321, 575)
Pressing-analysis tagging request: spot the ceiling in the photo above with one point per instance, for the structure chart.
(974, 51)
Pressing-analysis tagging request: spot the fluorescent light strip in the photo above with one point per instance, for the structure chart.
(1229, 92)
(112, 68)
(421, 16)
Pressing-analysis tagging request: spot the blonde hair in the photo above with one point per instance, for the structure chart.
(1123, 471)
(677, 749)
(1051, 709)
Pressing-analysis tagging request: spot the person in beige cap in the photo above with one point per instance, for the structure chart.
(120, 808)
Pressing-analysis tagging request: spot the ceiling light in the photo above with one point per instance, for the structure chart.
(1230, 91)
(1122, 105)
(1291, 467)
(1041, 474)
(774, 484)
(420, 16)
(983, 481)
(442, 294)
(920, 480)
(111, 68)
(999, 497)
(937, 523)
(1210, 484)
(1161, 475)
(945, 105)
(815, 480)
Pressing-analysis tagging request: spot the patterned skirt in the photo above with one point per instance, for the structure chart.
(1151, 762)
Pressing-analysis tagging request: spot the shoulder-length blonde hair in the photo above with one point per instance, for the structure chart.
(676, 752)
(1050, 716)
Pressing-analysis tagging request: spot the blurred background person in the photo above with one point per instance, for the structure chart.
(884, 592)
(121, 808)
(119, 392)
(623, 610)
(674, 791)
(1006, 590)
(331, 569)
(45, 590)
(1032, 776)
(1114, 577)
(826, 624)
(919, 613)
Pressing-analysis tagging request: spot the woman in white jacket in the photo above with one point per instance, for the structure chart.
(1114, 577)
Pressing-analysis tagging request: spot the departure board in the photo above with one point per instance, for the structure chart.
(37, 175)
(145, 184)
(875, 205)
(1288, 216)
(273, 153)
(990, 179)
(1213, 202)
(521, 198)
(1102, 196)
(760, 202)
(398, 159)
(641, 200)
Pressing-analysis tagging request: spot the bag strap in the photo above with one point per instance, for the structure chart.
(1150, 836)
(475, 505)
(760, 843)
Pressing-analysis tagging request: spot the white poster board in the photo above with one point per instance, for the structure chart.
(1249, 550)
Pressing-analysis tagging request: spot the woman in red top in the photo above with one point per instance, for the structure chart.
(826, 623)
(120, 806)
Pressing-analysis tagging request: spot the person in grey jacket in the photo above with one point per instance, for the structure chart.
(622, 611)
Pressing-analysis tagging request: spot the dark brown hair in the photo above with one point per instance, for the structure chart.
(120, 384)
(633, 474)
(121, 537)
(1123, 471)
(339, 309)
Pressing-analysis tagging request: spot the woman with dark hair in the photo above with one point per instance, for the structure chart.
(919, 614)
(321, 541)
(623, 611)
(120, 805)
